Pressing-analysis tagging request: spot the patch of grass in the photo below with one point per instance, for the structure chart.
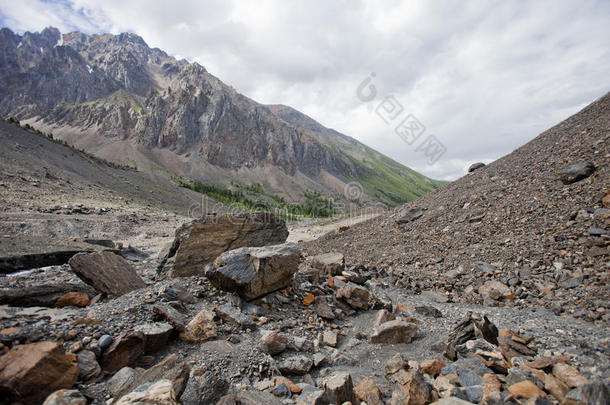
(254, 198)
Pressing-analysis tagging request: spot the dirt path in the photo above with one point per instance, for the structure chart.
(307, 232)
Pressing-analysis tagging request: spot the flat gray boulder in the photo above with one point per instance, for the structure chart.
(254, 271)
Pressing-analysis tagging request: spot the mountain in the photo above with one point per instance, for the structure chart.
(514, 225)
(117, 98)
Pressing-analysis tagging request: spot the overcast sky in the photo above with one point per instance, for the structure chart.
(483, 77)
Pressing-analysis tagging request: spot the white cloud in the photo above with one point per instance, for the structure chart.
(484, 77)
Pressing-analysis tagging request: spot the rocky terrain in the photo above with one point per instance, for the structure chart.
(115, 97)
(118, 287)
(526, 231)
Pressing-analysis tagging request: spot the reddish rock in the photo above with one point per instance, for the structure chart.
(201, 328)
(525, 389)
(568, 375)
(31, 372)
(74, 299)
(106, 272)
(432, 367)
(366, 390)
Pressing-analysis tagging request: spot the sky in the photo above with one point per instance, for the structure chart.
(476, 78)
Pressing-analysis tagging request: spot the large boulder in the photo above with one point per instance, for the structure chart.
(254, 271)
(106, 272)
(31, 372)
(198, 243)
(394, 332)
(330, 264)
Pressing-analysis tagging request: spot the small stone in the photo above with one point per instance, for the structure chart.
(104, 342)
(355, 296)
(576, 172)
(432, 367)
(309, 299)
(295, 365)
(414, 387)
(382, 316)
(281, 390)
(525, 389)
(428, 310)
(330, 338)
(201, 328)
(475, 166)
(339, 388)
(295, 389)
(274, 342)
(122, 382)
(87, 365)
(156, 335)
(568, 375)
(75, 299)
(394, 332)
(398, 362)
(66, 397)
(366, 390)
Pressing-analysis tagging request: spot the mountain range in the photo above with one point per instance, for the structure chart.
(115, 97)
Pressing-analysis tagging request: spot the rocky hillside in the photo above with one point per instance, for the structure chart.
(114, 96)
(528, 230)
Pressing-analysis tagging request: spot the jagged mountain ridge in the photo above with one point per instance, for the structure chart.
(121, 100)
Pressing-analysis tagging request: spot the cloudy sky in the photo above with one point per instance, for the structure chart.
(483, 77)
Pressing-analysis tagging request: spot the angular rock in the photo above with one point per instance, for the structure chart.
(44, 295)
(475, 166)
(525, 389)
(230, 314)
(122, 382)
(204, 389)
(88, 366)
(355, 296)
(323, 308)
(427, 310)
(160, 392)
(295, 365)
(254, 271)
(398, 362)
(394, 332)
(469, 328)
(382, 316)
(432, 367)
(366, 390)
(66, 397)
(274, 342)
(409, 215)
(175, 318)
(249, 397)
(496, 291)
(200, 242)
(201, 328)
(74, 299)
(124, 351)
(29, 373)
(294, 389)
(568, 375)
(594, 393)
(106, 272)
(330, 338)
(576, 172)
(155, 334)
(557, 388)
(415, 389)
(339, 388)
(330, 264)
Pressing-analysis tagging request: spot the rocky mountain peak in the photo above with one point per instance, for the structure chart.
(115, 87)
